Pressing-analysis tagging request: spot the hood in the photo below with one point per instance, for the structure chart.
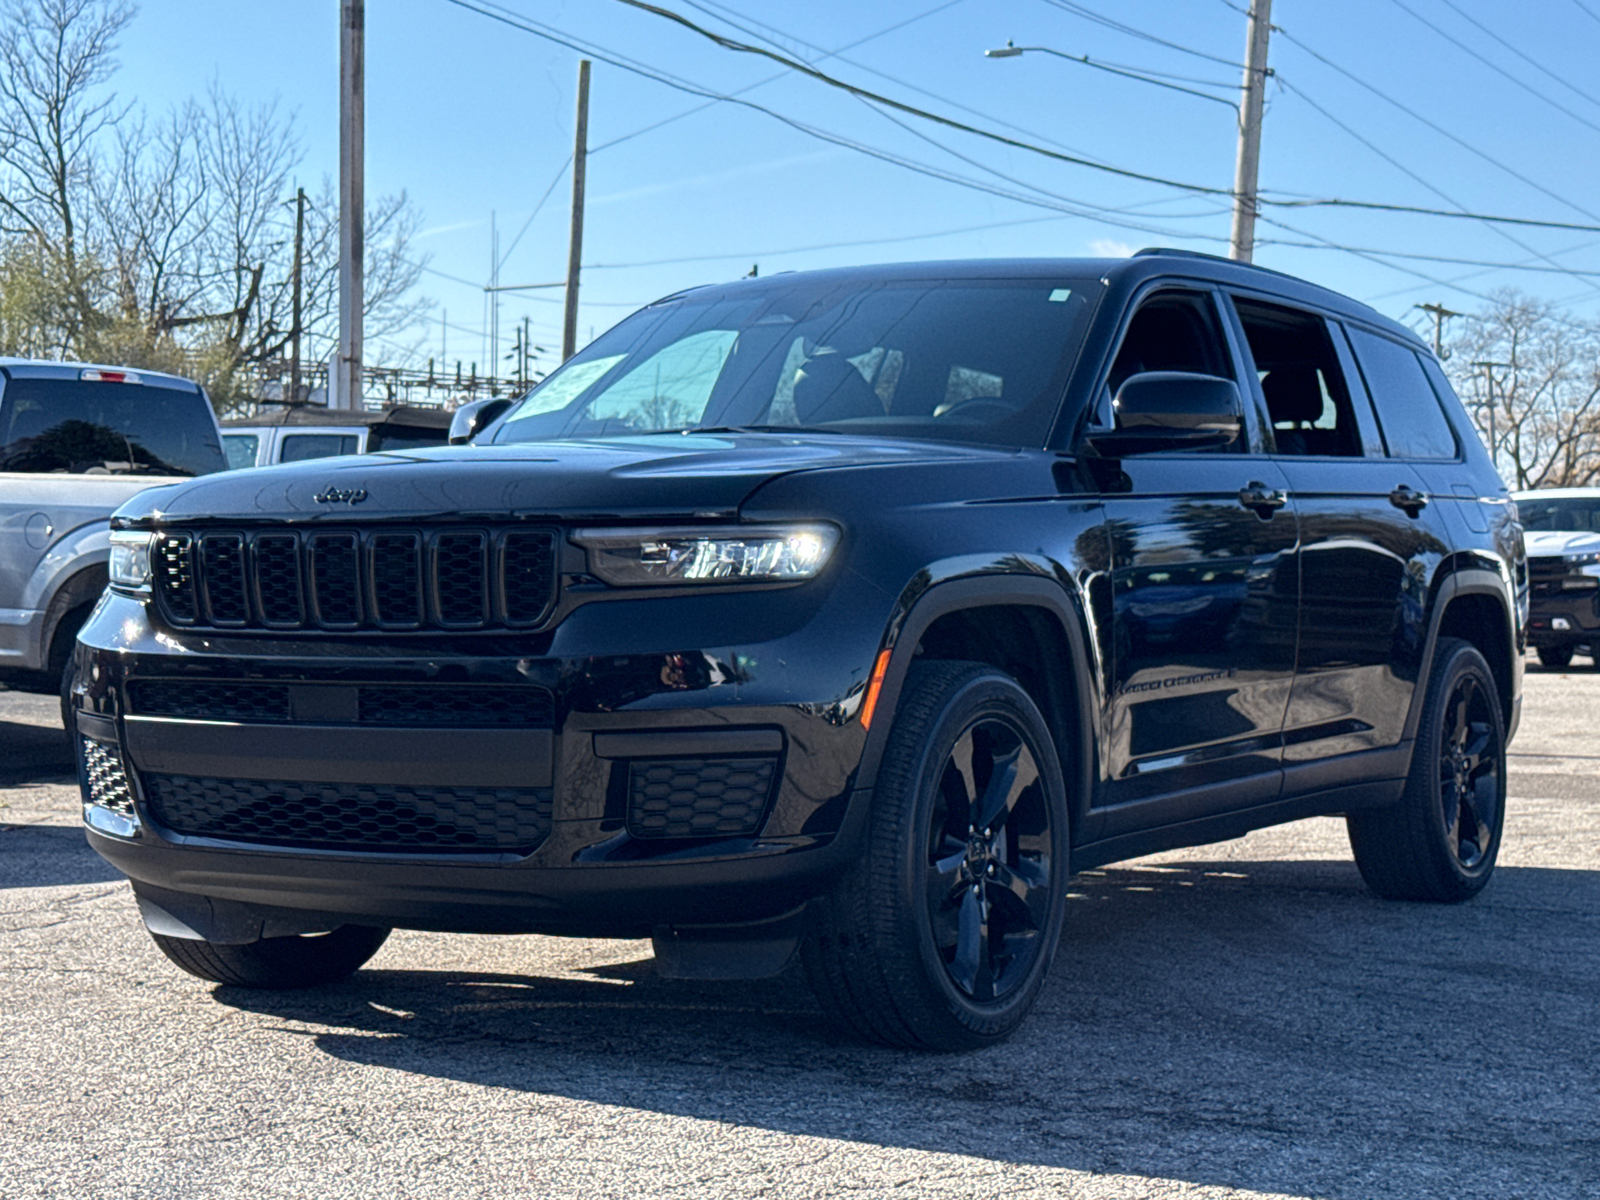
(1560, 543)
(664, 475)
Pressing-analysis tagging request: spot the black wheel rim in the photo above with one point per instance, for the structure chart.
(989, 861)
(1469, 773)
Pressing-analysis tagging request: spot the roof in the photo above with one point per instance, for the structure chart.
(44, 368)
(1131, 271)
(395, 415)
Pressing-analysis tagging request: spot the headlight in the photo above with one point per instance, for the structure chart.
(758, 554)
(130, 559)
(1581, 560)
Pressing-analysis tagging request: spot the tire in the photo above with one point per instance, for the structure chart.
(59, 669)
(1555, 657)
(1440, 841)
(282, 962)
(939, 937)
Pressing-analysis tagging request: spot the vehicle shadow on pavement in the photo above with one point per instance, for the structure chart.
(1237, 1023)
(32, 753)
(49, 856)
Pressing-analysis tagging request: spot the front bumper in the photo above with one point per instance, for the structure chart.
(564, 849)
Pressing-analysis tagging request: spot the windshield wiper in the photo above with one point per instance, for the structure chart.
(757, 429)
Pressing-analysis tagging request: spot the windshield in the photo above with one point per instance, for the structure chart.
(960, 360)
(78, 427)
(1570, 515)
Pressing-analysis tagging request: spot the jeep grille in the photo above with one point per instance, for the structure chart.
(348, 580)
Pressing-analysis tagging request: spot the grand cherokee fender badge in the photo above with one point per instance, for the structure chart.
(333, 495)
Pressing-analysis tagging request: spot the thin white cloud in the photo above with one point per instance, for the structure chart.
(654, 189)
(1111, 248)
(451, 228)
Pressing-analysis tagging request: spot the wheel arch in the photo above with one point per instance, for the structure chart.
(1473, 605)
(1018, 625)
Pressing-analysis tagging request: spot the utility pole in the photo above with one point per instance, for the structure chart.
(493, 291)
(1440, 314)
(1242, 242)
(1488, 374)
(345, 391)
(295, 330)
(527, 352)
(580, 152)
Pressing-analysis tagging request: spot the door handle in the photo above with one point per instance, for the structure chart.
(1408, 499)
(1264, 501)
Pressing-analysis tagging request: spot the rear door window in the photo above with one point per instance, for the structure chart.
(241, 449)
(300, 447)
(1308, 401)
(1414, 425)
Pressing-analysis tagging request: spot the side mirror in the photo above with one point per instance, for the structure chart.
(1170, 410)
(471, 419)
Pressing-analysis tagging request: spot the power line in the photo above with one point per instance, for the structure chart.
(1587, 9)
(1435, 258)
(1494, 66)
(1059, 204)
(1437, 128)
(780, 75)
(1400, 166)
(878, 98)
(1528, 58)
(1090, 15)
(504, 257)
(1055, 203)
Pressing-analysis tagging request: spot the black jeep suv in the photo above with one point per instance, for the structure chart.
(841, 614)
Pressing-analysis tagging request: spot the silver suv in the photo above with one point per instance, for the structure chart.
(76, 440)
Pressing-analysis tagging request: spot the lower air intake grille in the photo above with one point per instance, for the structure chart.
(105, 783)
(698, 797)
(345, 816)
(209, 701)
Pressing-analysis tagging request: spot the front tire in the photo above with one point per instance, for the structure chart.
(307, 960)
(941, 934)
(1440, 842)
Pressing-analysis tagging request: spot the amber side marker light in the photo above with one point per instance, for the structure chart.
(874, 686)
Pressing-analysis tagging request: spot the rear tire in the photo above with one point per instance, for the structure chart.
(1440, 841)
(941, 934)
(1555, 657)
(307, 960)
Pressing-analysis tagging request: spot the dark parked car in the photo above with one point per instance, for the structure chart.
(1563, 537)
(843, 614)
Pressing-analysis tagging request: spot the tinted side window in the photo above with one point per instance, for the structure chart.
(298, 447)
(1305, 390)
(241, 449)
(1414, 426)
(1170, 331)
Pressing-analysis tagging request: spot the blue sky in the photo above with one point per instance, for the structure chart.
(1462, 105)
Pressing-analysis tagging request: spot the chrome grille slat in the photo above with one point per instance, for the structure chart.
(350, 580)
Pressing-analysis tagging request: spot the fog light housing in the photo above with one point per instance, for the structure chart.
(107, 794)
(1560, 624)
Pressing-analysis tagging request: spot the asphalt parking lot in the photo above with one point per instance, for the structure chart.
(1229, 1021)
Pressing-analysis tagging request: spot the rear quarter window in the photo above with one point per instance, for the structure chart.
(1413, 423)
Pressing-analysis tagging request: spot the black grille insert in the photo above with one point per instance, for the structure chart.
(699, 797)
(348, 816)
(209, 701)
(437, 705)
(346, 580)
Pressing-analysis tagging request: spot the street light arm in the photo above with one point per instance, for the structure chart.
(1012, 51)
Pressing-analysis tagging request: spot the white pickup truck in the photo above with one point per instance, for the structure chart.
(76, 440)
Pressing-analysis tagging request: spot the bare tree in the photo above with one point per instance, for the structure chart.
(164, 242)
(55, 58)
(1546, 395)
